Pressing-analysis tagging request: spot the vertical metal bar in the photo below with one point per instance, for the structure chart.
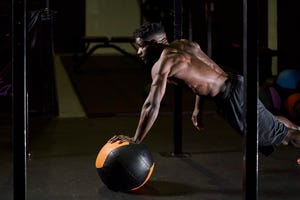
(190, 21)
(250, 63)
(177, 90)
(20, 104)
(209, 7)
(47, 4)
(177, 120)
(177, 19)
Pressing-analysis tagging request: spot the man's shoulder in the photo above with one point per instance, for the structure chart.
(183, 42)
(170, 56)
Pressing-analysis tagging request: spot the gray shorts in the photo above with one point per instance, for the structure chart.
(230, 104)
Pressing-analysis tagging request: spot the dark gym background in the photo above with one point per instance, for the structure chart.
(62, 150)
(69, 27)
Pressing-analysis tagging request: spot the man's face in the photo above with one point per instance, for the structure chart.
(142, 48)
(148, 50)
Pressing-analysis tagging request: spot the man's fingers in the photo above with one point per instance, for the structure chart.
(114, 139)
(120, 139)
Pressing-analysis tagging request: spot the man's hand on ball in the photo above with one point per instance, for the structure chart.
(121, 139)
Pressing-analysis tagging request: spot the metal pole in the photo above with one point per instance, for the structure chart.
(209, 7)
(48, 4)
(177, 90)
(20, 103)
(250, 63)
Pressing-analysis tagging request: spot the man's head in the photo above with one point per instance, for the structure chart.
(150, 31)
(151, 39)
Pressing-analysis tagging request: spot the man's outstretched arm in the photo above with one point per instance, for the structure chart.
(149, 111)
(151, 107)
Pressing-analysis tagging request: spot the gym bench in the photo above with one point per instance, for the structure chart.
(104, 42)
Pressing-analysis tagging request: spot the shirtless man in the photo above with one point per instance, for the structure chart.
(183, 62)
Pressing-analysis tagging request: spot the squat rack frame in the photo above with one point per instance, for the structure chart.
(20, 98)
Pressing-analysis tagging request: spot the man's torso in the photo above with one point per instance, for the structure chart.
(185, 62)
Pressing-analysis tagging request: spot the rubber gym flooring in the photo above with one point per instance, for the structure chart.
(62, 162)
(63, 152)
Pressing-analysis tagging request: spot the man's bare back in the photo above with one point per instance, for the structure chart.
(184, 61)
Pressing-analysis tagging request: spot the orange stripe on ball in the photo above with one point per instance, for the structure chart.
(105, 150)
(147, 178)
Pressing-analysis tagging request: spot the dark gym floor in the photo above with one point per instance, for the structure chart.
(62, 163)
(63, 153)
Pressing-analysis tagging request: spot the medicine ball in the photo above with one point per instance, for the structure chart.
(124, 166)
(292, 106)
(288, 79)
